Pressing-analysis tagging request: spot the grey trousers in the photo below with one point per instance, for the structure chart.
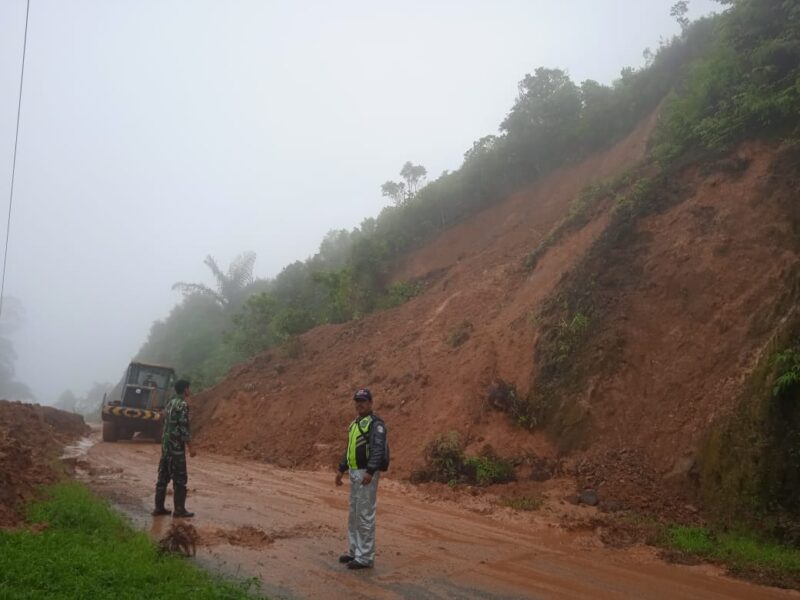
(361, 523)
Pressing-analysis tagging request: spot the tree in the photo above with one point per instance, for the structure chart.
(231, 286)
(340, 290)
(189, 336)
(395, 191)
(480, 150)
(679, 11)
(414, 175)
(252, 327)
(400, 192)
(542, 125)
(334, 248)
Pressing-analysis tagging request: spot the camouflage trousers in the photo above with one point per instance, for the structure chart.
(172, 466)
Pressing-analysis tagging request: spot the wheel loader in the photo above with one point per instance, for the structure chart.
(136, 403)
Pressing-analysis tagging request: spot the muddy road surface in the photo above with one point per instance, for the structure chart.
(288, 528)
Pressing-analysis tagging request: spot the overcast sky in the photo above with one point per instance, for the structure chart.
(156, 132)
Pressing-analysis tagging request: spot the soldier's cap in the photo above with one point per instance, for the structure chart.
(363, 395)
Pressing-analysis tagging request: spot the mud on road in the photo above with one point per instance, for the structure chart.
(288, 528)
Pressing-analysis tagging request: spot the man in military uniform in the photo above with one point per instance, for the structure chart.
(174, 444)
(366, 455)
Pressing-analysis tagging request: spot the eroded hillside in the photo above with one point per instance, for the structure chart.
(675, 304)
(430, 361)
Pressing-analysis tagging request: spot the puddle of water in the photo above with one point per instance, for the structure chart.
(77, 450)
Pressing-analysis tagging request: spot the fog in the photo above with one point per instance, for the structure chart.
(156, 132)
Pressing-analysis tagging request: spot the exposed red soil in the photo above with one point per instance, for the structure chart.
(30, 438)
(693, 302)
(293, 411)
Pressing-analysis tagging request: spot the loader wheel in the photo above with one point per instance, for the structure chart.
(109, 431)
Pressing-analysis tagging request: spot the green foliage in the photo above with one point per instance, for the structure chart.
(395, 191)
(447, 463)
(232, 287)
(191, 341)
(445, 457)
(489, 469)
(523, 503)
(742, 551)
(748, 83)
(568, 334)
(505, 397)
(749, 463)
(679, 11)
(400, 292)
(87, 551)
(341, 295)
(253, 330)
(263, 323)
(402, 192)
(788, 375)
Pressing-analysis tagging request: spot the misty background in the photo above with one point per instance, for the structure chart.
(156, 133)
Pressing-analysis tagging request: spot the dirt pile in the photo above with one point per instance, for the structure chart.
(31, 436)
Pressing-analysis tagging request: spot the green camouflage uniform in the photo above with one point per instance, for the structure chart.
(173, 445)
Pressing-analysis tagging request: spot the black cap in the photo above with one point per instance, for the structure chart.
(363, 394)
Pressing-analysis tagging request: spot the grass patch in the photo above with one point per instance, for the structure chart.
(743, 553)
(489, 469)
(524, 503)
(400, 293)
(447, 463)
(87, 551)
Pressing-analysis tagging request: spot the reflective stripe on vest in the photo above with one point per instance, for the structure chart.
(355, 439)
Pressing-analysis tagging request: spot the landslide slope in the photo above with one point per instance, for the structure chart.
(631, 338)
(683, 299)
(430, 361)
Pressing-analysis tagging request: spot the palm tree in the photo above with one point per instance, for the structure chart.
(231, 286)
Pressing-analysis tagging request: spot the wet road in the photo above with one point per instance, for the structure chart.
(288, 527)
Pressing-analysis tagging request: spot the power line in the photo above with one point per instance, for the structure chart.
(14, 161)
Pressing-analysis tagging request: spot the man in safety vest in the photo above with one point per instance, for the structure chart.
(366, 455)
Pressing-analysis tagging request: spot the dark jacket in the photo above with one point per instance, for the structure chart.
(372, 455)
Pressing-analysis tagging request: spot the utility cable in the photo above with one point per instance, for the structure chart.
(14, 161)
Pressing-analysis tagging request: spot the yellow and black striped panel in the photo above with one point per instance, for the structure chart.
(132, 413)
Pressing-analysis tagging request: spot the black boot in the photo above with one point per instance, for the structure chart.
(180, 504)
(159, 510)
